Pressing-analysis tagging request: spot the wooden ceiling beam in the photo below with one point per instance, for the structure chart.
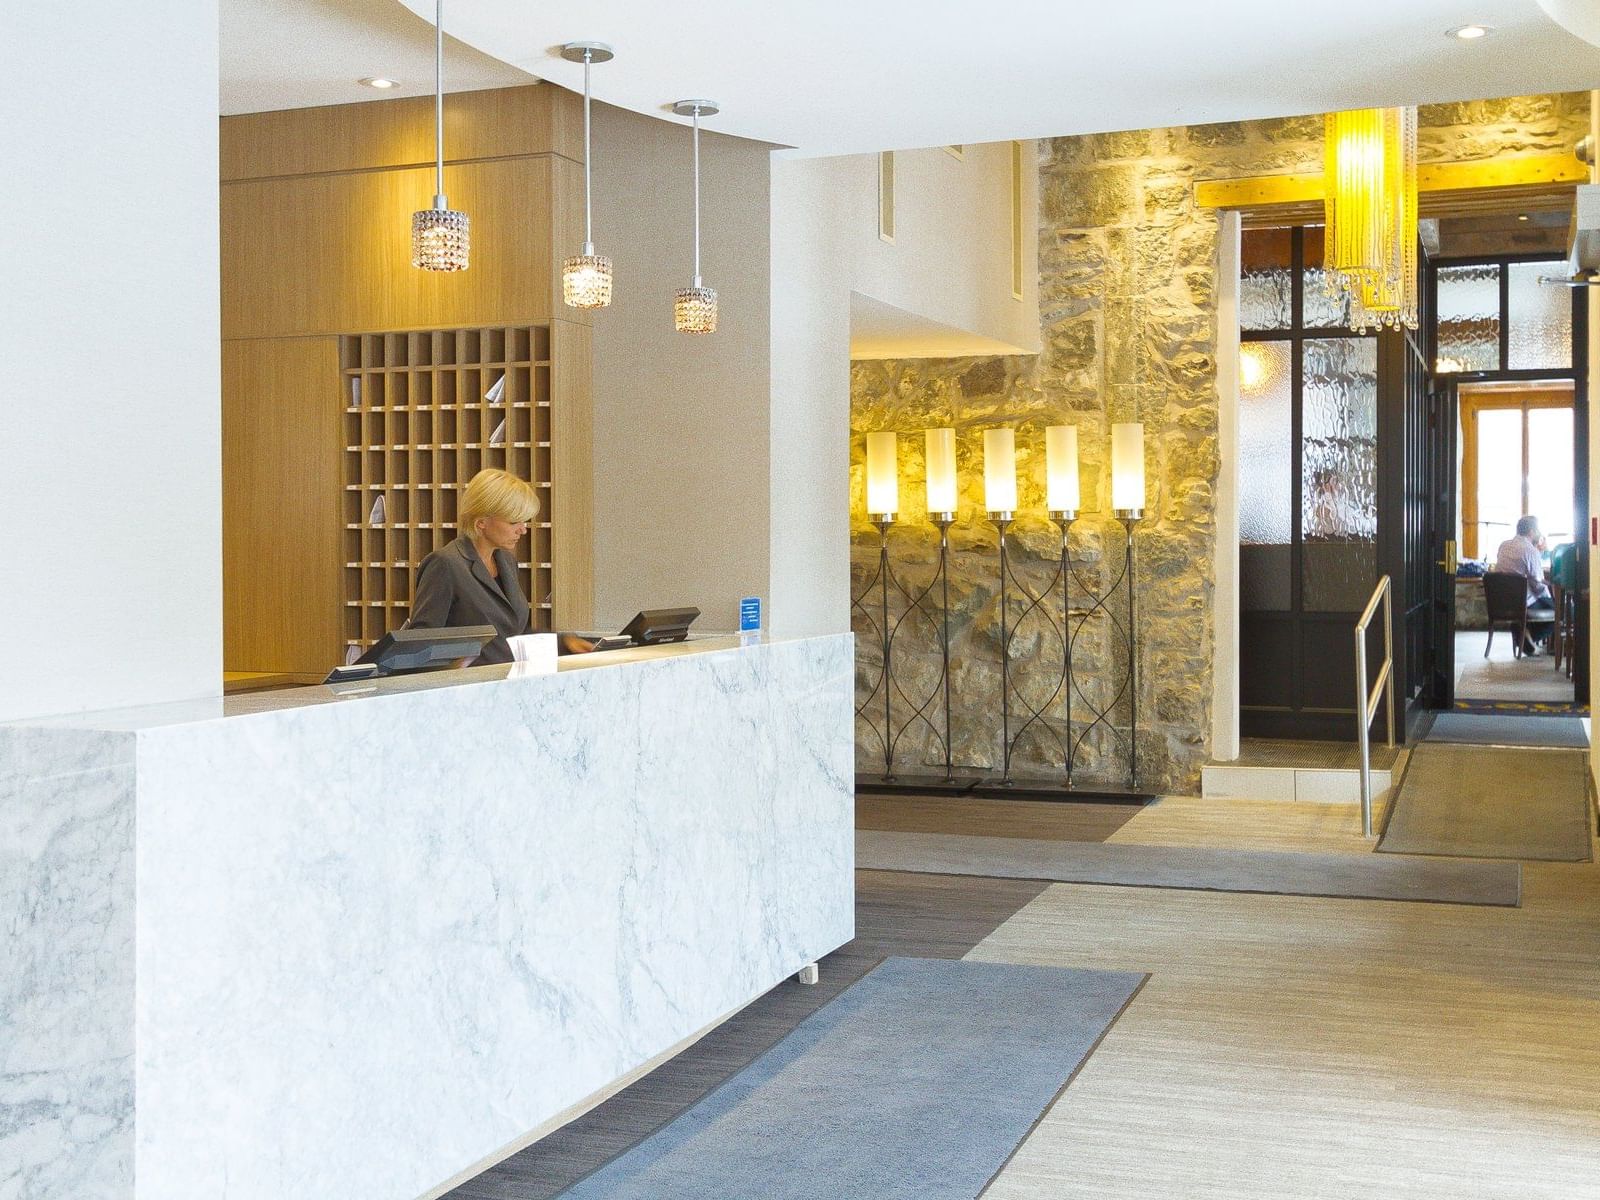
(1443, 189)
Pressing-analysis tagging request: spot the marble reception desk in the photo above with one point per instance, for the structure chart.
(312, 944)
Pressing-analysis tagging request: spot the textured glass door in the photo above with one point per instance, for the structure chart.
(1308, 489)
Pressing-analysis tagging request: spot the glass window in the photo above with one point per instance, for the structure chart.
(1469, 318)
(1266, 294)
(1539, 323)
(1266, 448)
(1500, 477)
(1339, 471)
(1323, 310)
(1550, 471)
(1266, 480)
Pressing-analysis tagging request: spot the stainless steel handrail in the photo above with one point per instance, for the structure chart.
(1382, 687)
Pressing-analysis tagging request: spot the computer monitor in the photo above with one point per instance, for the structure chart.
(655, 625)
(403, 651)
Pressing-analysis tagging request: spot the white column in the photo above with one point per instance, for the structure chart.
(1225, 567)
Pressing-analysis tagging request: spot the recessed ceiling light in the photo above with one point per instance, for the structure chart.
(380, 83)
(1468, 33)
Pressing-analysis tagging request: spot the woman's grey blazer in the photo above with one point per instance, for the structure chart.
(455, 588)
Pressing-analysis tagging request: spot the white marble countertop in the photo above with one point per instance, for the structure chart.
(188, 712)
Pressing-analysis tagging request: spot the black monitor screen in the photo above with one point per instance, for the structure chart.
(661, 625)
(405, 650)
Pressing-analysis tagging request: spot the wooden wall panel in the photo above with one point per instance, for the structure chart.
(280, 511)
(316, 243)
(500, 123)
(572, 474)
(331, 254)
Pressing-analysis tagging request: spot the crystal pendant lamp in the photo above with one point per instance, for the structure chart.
(439, 240)
(586, 276)
(1370, 210)
(694, 309)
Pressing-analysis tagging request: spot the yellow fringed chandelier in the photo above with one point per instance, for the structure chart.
(1370, 206)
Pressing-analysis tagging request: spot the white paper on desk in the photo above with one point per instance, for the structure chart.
(376, 516)
(534, 653)
(496, 393)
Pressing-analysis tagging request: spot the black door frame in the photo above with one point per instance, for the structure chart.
(1577, 374)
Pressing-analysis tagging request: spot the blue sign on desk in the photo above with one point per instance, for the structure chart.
(750, 614)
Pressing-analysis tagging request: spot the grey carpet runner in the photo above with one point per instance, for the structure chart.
(1357, 876)
(918, 1081)
(1492, 803)
(1495, 729)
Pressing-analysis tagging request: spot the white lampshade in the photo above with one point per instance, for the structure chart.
(1061, 467)
(883, 478)
(1127, 468)
(941, 459)
(1000, 470)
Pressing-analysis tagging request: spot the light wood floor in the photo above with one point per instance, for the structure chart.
(1295, 1047)
(1252, 825)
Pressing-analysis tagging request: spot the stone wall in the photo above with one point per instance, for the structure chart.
(1128, 302)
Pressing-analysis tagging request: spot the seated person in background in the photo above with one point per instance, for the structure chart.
(1519, 555)
(473, 580)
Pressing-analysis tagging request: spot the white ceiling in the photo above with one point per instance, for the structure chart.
(847, 76)
(302, 53)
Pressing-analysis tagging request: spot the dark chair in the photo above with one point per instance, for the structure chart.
(1563, 640)
(1505, 594)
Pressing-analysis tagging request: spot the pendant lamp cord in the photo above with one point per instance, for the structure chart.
(588, 212)
(438, 104)
(697, 196)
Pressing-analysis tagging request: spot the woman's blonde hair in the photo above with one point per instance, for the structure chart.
(495, 493)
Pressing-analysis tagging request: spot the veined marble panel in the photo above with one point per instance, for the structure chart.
(378, 942)
(67, 979)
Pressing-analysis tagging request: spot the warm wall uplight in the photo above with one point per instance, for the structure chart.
(1469, 33)
(941, 461)
(1000, 471)
(1127, 470)
(883, 475)
(1061, 469)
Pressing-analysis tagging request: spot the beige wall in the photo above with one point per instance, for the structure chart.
(681, 433)
(109, 420)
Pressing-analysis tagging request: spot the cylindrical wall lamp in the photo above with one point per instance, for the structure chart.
(1127, 471)
(883, 478)
(1061, 471)
(941, 461)
(1000, 472)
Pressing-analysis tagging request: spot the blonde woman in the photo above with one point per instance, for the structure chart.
(473, 580)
